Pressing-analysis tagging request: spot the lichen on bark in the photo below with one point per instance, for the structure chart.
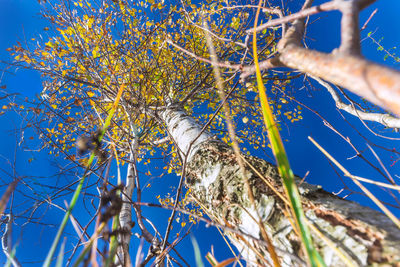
(366, 236)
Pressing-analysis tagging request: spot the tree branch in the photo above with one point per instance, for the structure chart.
(125, 216)
(6, 241)
(383, 118)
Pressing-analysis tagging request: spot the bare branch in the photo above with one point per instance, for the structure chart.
(219, 64)
(350, 33)
(264, 65)
(298, 15)
(378, 84)
(367, 21)
(6, 241)
(383, 118)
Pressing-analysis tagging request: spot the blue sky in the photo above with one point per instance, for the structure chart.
(20, 19)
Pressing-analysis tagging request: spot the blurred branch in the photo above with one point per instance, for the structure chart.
(6, 241)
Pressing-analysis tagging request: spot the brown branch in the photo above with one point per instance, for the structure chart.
(378, 84)
(367, 21)
(301, 14)
(264, 65)
(350, 33)
(218, 64)
(227, 228)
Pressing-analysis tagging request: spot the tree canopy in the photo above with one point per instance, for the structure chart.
(157, 52)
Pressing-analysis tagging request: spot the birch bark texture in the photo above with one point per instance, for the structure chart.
(125, 216)
(365, 236)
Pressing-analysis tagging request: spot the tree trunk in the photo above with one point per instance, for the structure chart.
(125, 216)
(366, 236)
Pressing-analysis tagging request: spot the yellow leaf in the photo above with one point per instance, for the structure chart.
(4, 107)
(49, 44)
(54, 106)
(90, 94)
(95, 52)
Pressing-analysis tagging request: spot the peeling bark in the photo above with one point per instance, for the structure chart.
(184, 129)
(366, 236)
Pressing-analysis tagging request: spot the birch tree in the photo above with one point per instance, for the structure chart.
(164, 62)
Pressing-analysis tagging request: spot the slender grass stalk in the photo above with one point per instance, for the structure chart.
(6, 196)
(282, 161)
(89, 244)
(60, 257)
(115, 224)
(225, 262)
(235, 146)
(114, 246)
(113, 240)
(197, 253)
(214, 263)
(355, 180)
(346, 259)
(230, 247)
(11, 258)
(78, 189)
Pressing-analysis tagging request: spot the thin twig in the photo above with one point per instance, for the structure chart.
(363, 188)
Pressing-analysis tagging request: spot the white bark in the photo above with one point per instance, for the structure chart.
(184, 129)
(125, 216)
(366, 236)
(6, 241)
(383, 118)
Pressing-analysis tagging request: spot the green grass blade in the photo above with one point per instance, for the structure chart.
(60, 257)
(197, 253)
(283, 163)
(78, 189)
(89, 244)
(113, 241)
(11, 257)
